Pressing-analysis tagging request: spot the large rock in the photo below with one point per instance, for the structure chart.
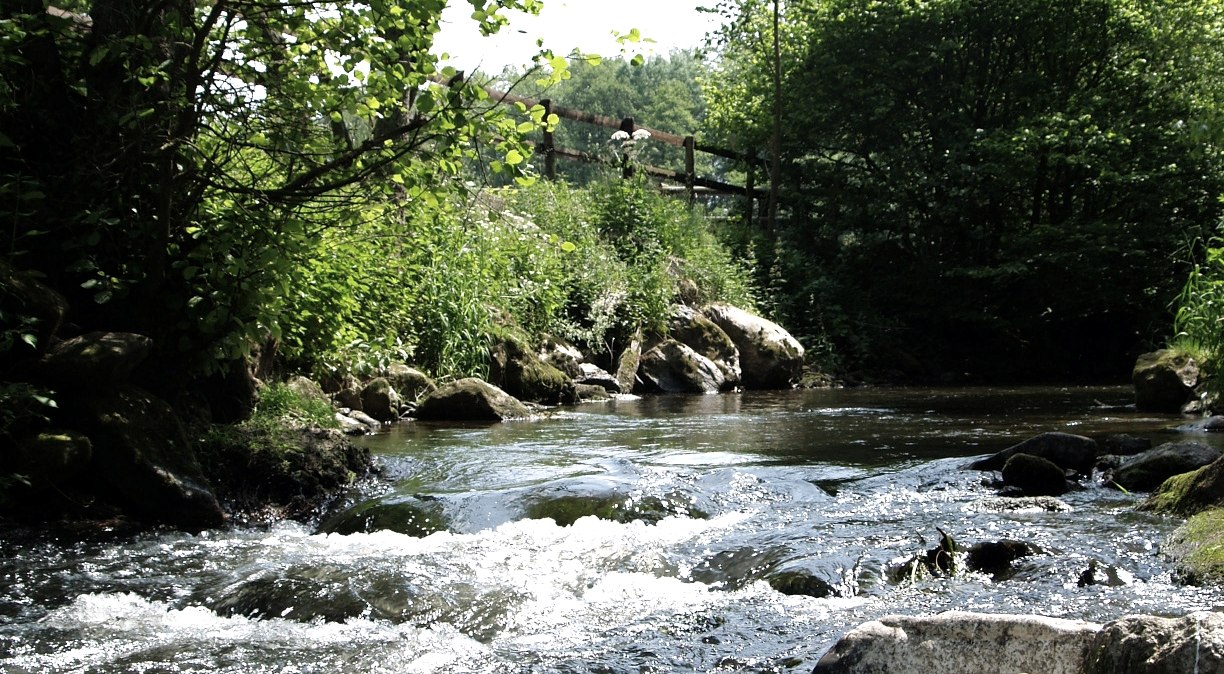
(562, 355)
(964, 643)
(769, 356)
(1196, 549)
(593, 375)
(95, 359)
(1067, 451)
(520, 372)
(1146, 471)
(142, 459)
(379, 400)
(409, 382)
(1164, 380)
(470, 399)
(691, 328)
(672, 367)
(1155, 645)
(1190, 493)
(1034, 476)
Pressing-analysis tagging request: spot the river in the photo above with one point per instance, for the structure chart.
(716, 504)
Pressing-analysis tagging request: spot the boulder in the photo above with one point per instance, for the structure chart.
(519, 371)
(770, 357)
(410, 383)
(1067, 451)
(1125, 445)
(1196, 549)
(672, 367)
(1156, 645)
(627, 364)
(1164, 380)
(691, 328)
(264, 473)
(53, 456)
(590, 393)
(379, 400)
(142, 459)
(562, 355)
(1034, 476)
(961, 642)
(1146, 471)
(593, 375)
(470, 399)
(996, 557)
(95, 359)
(1190, 493)
(306, 388)
(411, 516)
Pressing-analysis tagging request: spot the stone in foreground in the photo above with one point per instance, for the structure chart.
(965, 643)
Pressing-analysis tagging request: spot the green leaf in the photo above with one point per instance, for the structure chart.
(514, 158)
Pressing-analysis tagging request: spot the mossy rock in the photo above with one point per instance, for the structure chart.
(518, 370)
(613, 506)
(1197, 548)
(1189, 493)
(269, 470)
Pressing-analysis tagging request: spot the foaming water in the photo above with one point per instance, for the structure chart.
(677, 534)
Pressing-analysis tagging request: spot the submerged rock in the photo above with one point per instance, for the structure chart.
(996, 557)
(961, 642)
(411, 516)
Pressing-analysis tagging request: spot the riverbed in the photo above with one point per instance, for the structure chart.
(751, 530)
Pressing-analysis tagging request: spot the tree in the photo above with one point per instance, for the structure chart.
(984, 182)
(171, 163)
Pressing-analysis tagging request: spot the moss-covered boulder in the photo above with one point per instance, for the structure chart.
(1196, 548)
(1164, 380)
(95, 359)
(1189, 493)
(142, 459)
(471, 399)
(627, 363)
(265, 471)
(409, 382)
(694, 330)
(518, 370)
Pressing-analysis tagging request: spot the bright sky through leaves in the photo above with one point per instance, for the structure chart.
(565, 25)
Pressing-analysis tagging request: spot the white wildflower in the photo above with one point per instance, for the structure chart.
(641, 134)
(620, 135)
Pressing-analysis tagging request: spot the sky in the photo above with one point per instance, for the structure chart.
(564, 25)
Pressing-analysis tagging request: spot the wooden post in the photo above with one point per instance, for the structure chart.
(550, 157)
(627, 167)
(690, 169)
(749, 185)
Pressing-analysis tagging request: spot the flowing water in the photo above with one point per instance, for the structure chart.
(738, 533)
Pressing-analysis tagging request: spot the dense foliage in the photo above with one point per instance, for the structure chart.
(991, 188)
(174, 168)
